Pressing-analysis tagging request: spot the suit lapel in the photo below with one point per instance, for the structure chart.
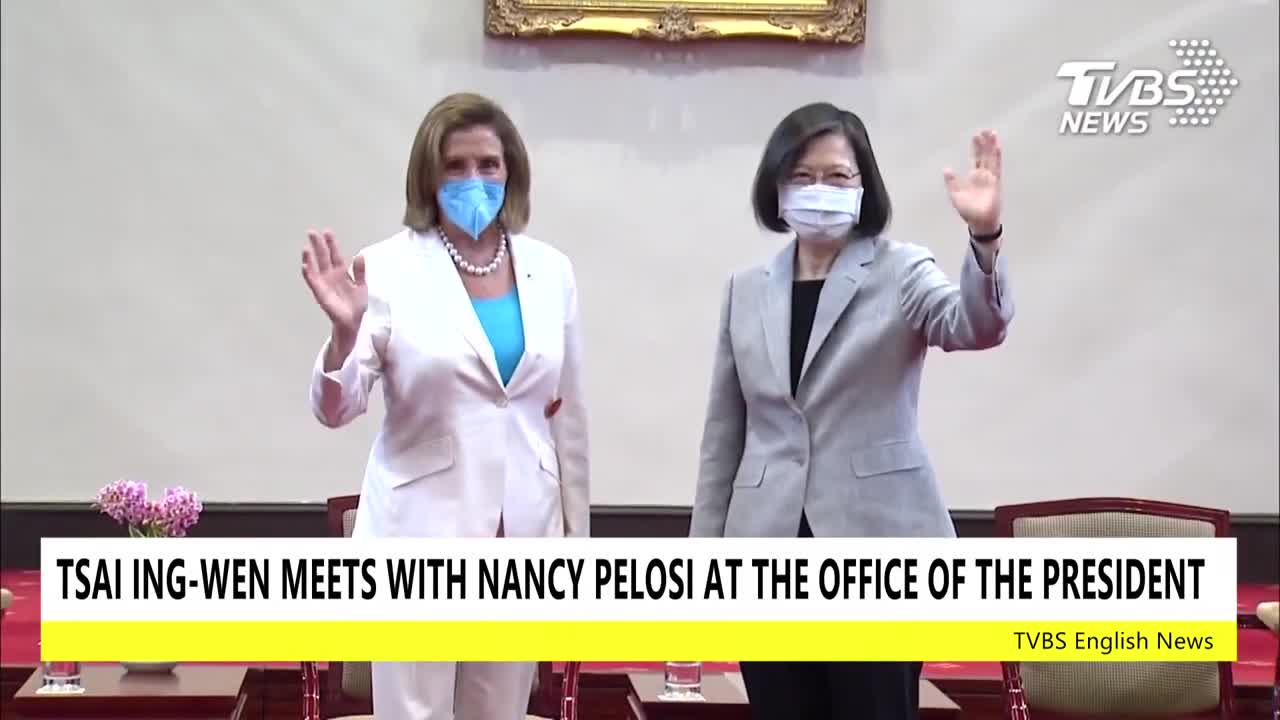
(777, 314)
(447, 285)
(530, 283)
(846, 276)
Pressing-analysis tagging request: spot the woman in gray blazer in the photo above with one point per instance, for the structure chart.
(811, 428)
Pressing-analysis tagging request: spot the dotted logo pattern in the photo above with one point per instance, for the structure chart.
(1214, 85)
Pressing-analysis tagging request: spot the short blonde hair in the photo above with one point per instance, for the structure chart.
(426, 160)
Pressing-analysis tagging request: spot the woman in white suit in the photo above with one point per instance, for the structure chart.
(474, 329)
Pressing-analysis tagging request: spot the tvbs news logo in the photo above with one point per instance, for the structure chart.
(1102, 101)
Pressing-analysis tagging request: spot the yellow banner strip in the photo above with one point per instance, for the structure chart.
(637, 641)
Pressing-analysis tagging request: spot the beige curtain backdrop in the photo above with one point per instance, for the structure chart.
(162, 161)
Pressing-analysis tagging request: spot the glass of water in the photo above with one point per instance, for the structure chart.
(60, 678)
(683, 681)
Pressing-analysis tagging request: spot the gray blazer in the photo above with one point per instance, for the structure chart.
(846, 450)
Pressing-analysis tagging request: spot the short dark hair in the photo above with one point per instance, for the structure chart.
(788, 143)
(461, 111)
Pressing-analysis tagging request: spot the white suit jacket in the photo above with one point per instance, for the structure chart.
(457, 450)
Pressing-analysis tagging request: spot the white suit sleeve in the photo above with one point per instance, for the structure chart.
(569, 424)
(342, 395)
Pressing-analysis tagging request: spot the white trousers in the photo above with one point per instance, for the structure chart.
(452, 691)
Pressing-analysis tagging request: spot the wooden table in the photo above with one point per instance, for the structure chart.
(191, 692)
(726, 699)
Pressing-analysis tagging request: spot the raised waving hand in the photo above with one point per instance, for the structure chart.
(339, 288)
(976, 195)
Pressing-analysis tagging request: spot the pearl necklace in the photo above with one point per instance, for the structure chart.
(461, 262)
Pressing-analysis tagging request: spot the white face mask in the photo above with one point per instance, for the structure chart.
(820, 213)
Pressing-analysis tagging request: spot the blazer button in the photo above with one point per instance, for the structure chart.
(501, 402)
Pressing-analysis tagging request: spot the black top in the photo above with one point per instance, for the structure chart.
(804, 304)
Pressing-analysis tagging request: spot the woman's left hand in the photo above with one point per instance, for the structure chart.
(976, 196)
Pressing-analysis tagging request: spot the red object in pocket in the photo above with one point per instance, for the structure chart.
(552, 408)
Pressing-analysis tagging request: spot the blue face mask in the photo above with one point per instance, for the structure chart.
(471, 204)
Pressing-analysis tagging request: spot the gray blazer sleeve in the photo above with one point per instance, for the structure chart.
(974, 315)
(723, 435)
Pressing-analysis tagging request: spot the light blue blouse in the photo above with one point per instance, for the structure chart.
(502, 322)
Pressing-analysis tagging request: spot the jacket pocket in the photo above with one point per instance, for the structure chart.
(422, 460)
(750, 473)
(888, 458)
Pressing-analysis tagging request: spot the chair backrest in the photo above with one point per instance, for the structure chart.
(349, 689)
(1127, 688)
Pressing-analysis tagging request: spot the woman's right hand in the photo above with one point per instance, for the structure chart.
(342, 294)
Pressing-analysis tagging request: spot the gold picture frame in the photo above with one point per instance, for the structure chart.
(819, 21)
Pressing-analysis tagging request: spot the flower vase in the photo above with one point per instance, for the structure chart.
(149, 668)
(126, 502)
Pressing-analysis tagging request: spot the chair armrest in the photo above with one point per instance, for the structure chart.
(1249, 621)
(569, 693)
(1269, 614)
(310, 691)
(1015, 700)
